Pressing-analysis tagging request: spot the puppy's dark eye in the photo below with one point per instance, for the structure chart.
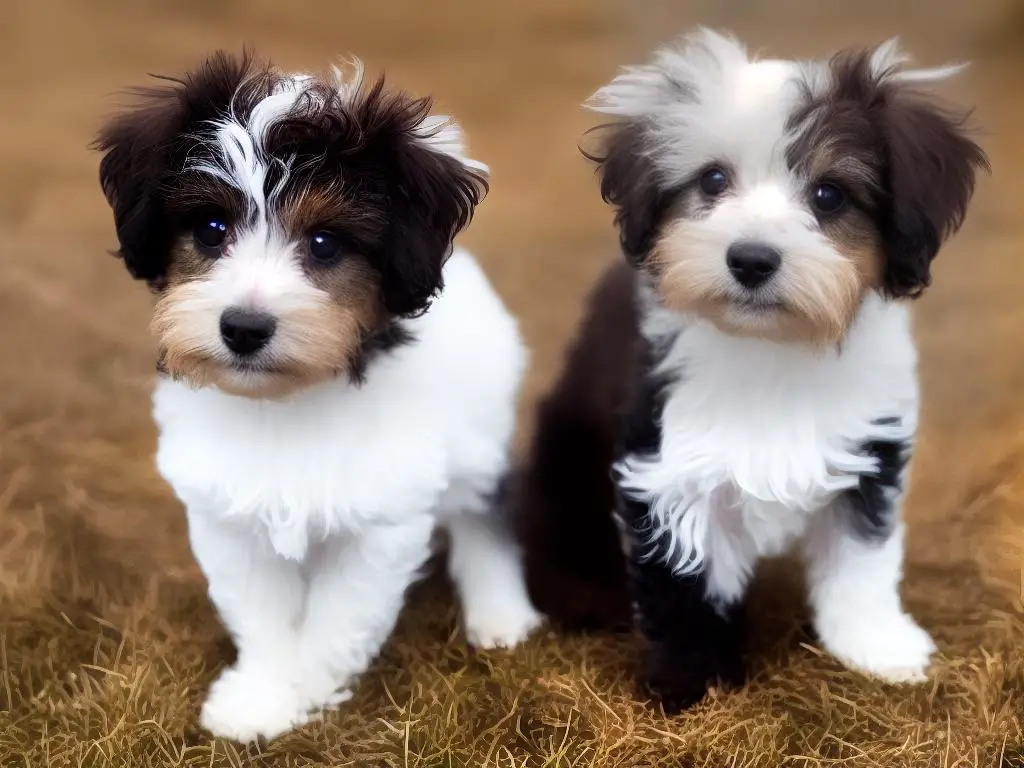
(827, 198)
(209, 235)
(325, 248)
(713, 182)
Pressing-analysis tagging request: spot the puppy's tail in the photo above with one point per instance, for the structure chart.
(563, 498)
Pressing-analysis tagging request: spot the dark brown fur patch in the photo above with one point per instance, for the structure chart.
(629, 182)
(331, 206)
(564, 498)
(401, 203)
(195, 195)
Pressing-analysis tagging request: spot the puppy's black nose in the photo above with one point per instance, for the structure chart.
(244, 331)
(751, 263)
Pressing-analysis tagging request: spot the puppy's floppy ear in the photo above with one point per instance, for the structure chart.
(931, 168)
(136, 152)
(629, 182)
(433, 190)
(436, 195)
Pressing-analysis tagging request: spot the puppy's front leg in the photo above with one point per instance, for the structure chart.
(854, 552)
(259, 596)
(854, 579)
(357, 589)
(694, 636)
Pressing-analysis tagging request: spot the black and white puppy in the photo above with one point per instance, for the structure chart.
(323, 405)
(746, 383)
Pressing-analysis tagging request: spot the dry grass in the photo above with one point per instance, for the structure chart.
(107, 644)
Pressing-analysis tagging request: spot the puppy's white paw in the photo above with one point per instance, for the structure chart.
(502, 626)
(246, 704)
(888, 646)
(335, 700)
(322, 689)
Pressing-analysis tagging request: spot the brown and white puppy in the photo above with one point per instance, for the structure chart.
(745, 384)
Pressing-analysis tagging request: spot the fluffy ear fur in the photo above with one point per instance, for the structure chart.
(929, 183)
(433, 193)
(143, 145)
(135, 147)
(629, 182)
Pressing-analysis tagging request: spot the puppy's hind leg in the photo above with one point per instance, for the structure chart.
(564, 498)
(575, 566)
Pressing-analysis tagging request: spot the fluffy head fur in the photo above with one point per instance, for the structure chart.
(842, 171)
(320, 209)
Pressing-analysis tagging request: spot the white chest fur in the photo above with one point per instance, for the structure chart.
(334, 459)
(757, 436)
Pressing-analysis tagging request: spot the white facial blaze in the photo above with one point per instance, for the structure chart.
(240, 158)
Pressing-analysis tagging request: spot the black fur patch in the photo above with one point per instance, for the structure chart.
(145, 148)
(393, 336)
(690, 643)
(872, 501)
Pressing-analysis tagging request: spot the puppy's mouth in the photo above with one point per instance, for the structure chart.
(254, 367)
(262, 378)
(757, 304)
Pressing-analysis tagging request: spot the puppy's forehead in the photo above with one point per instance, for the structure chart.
(738, 116)
(748, 109)
(761, 84)
(269, 148)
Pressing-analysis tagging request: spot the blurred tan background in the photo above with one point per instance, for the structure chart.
(93, 560)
